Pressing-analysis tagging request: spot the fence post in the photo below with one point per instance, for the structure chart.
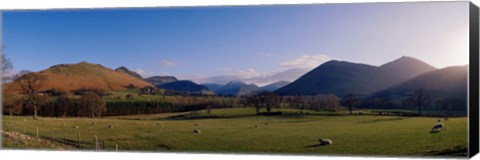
(116, 147)
(105, 144)
(37, 133)
(78, 138)
(96, 143)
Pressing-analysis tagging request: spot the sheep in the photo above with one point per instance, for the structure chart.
(94, 123)
(196, 124)
(439, 126)
(76, 127)
(197, 131)
(158, 124)
(256, 125)
(325, 141)
(110, 126)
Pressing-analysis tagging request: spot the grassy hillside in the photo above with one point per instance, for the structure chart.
(85, 75)
(234, 131)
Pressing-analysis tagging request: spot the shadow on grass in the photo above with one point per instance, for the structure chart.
(457, 151)
(383, 120)
(315, 145)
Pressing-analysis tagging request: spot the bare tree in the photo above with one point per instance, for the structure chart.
(419, 98)
(31, 84)
(65, 103)
(7, 66)
(254, 100)
(12, 102)
(92, 104)
(268, 99)
(349, 101)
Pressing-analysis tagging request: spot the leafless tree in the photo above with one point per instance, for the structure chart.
(92, 104)
(31, 84)
(349, 101)
(419, 98)
(65, 103)
(7, 66)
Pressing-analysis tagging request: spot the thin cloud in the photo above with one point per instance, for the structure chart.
(144, 73)
(167, 63)
(305, 61)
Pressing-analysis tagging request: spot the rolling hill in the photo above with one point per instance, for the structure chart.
(127, 71)
(341, 77)
(274, 86)
(450, 81)
(158, 80)
(236, 88)
(185, 86)
(212, 86)
(86, 75)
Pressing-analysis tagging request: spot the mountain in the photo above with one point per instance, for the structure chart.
(450, 81)
(212, 86)
(274, 86)
(403, 69)
(184, 86)
(341, 77)
(158, 80)
(127, 71)
(86, 75)
(236, 88)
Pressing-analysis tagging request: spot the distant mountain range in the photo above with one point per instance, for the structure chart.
(450, 81)
(341, 77)
(86, 75)
(185, 86)
(237, 88)
(397, 77)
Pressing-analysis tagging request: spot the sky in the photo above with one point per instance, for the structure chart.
(254, 44)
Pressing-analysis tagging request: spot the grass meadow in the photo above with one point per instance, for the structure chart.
(239, 130)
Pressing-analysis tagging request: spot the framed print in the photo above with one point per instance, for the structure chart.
(353, 79)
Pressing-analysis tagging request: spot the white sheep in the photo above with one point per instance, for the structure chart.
(76, 127)
(439, 126)
(197, 131)
(325, 141)
(110, 126)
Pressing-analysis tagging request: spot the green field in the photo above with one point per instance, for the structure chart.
(234, 131)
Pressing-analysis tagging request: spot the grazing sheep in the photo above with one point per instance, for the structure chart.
(158, 124)
(94, 123)
(439, 126)
(110, 126)
(256, 125)
(197, 131)
(325, 141)
(76, 127)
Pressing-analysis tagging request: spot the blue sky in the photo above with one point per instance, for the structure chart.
(256, 44)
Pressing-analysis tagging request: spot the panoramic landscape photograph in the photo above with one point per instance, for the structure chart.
(365, 79)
